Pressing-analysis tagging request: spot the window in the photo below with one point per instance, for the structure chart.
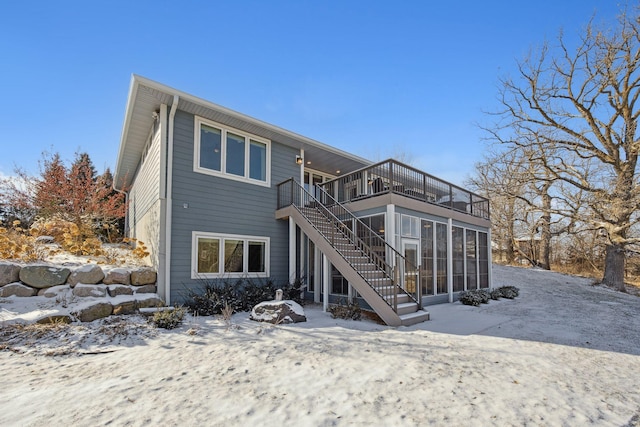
(410, 226)
(210, 148)
(426, 239)
(458, 259)
(235, 154)
(339, 285)
(208, 254)
(483, 260)
(215, 255)
(472, 282)
(230, 153)
(375, 224)
(441, 258)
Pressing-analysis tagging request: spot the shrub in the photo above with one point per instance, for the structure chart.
(139, 248)
(474, 297)
(16, 244)
(78, 240)
(349, 311)
(168, 319)
(240, 295)
(509, 292)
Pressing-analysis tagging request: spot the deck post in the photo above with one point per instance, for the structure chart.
(326, 276)
(450, 258)
(292, 250)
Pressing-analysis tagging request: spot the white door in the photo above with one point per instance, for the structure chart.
(411, 252)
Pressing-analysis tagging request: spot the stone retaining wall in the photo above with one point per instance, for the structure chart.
(111, 291)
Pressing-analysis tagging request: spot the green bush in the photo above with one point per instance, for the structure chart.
(349, 311)
(242, 294)
(509, 292)
(474, 297)
(168, 319)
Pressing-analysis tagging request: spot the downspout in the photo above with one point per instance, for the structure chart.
(169, 200)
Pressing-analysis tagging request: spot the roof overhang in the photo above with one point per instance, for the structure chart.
(145, 98)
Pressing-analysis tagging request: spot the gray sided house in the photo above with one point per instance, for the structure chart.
(216, 194)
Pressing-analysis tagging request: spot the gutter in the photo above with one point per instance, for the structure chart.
(169, 200)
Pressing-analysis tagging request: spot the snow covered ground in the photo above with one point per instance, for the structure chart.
(563, 353)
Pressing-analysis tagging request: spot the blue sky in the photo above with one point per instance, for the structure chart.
(376, 78)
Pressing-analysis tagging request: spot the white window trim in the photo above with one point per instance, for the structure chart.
(195, 235)
(223, 153)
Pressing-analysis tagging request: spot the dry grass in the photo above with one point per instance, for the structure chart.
(14, 336)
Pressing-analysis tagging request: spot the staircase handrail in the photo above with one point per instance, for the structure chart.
(389, 271)
(394, 252)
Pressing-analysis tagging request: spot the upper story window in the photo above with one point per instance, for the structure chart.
(237, 155)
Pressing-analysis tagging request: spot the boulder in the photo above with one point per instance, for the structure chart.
(82, 290)
(125, 307)
(286, 311)
(115, 290)
(9, 273)
(153, 301)
(17, 289)
(43, 276)
(146, 289)
(143, 276)
(117, 276)
(53, 291)
(89, 274)
(54, 318)
(94, 311)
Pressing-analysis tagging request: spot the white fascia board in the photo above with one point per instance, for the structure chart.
(131, 99)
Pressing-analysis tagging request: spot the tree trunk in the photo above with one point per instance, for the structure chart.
(614, 267)
(545, 232)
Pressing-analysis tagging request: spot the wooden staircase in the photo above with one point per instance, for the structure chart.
(367, 272)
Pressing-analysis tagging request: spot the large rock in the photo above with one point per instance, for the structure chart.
(89, 274)
(146, 289)
(120, 276)
(94, 311)
(53, 291)
(125, 307)
(143, 276)
(115, 290)
(9, 273)
(43, 276)
(82, 290)
(17, 289)
(276, 312)
(54, 318)
(150, 302)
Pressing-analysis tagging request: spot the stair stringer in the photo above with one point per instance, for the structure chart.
(375, 301)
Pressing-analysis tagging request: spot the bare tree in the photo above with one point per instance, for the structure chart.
(580, 105)
(498, 178)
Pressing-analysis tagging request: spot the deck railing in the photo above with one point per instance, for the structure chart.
(391, 176)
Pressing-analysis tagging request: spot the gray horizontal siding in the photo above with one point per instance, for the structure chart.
(145, 190)
(218, 205)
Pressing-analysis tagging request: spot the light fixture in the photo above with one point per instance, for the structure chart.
(299, 160)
